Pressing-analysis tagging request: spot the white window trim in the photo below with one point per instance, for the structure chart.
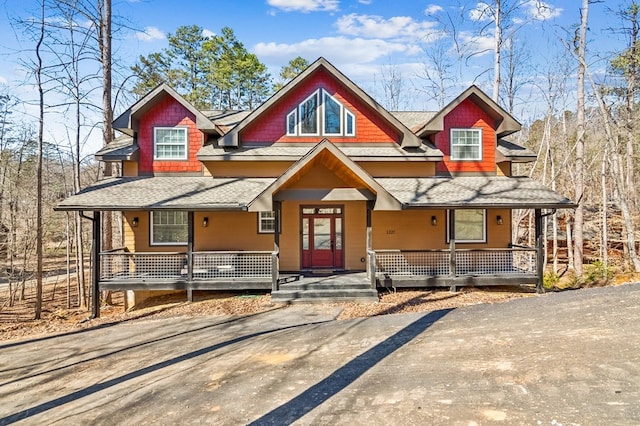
(480, 153)
(484, 230)
(321, 117)
(341, 117)
(186, 143)
(348, 113)
(293, 113)
(153, 243)
(315, 94)
(260, 219)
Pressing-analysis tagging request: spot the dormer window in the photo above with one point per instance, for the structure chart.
(466, 144)
(319, 114)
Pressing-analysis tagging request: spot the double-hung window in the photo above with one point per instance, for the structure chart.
(170, 143)
(466, 144)
(470, 226)
(266, 222)
(169, 227)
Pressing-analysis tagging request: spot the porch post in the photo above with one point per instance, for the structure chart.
(370, 262)
(277, 210)
(95, 271)
(189, 255)
(539, 251)
(452, 249)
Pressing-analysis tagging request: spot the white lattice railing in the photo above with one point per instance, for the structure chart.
(124, 265)
(467, 262)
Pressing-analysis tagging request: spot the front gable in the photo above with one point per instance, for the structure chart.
(270, 122)
(355, 121)
(467, 117)
(166, 115)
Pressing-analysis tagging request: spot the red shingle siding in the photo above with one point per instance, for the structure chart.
(271, 126)
(468, 115)
(168, 113)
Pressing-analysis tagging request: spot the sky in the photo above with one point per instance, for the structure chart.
(368, 40)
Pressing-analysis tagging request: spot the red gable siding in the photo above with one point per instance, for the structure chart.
(168, 113)
(468, 115)
(271, 126)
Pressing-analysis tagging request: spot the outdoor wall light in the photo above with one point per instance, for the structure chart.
(134, 222)
(205, 222)
(434, 220)
(499, 219)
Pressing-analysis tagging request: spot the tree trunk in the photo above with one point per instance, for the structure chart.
(580, 143)
(498, 47)
(39, 240)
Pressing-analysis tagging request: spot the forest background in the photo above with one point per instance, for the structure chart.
(578, 108)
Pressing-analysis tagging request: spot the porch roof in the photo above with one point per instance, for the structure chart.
(474, 192)
(167, 193)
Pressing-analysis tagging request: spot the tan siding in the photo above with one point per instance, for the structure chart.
(504, 168)
(399, 168)
(235, 230)
(129, 168)
(412, 230)
(246, 168)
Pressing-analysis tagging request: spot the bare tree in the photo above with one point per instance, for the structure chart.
(39, 240)
(581, 42)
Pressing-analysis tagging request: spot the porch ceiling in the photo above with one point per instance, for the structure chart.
(474, 192)
(167, 193)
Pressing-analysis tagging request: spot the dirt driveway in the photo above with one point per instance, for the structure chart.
(569, 358)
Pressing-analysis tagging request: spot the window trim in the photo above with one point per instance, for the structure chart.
(315, 94)
(484, 229)
(326, 95)
(260, 219)
(466, 129)
(186, 143)
(169, 243)
(321, 94)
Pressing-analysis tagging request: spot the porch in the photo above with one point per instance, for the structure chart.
(252, 270)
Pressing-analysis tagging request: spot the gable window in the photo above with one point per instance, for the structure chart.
(266, 222)
(170, 143)
(470, 226)
(309, 115)
(466, 144)
(169, 228)
(321, 114)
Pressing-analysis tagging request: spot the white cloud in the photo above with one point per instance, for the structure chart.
(208, 33)
(397, 27)
(541, 10)
(305, 6)
(433, 9)
(367, 2)
(477, 45)
(482, 12)
(338, 50)
(150, 34)
(3, 80)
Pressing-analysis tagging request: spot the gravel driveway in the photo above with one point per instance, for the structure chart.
(564, 358)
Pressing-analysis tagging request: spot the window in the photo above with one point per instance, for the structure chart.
(466, 144)
(321, 114)
(332, 115)
(170, 143)
(470, 226)
(266, 222)
(309, 115)
(169, 228)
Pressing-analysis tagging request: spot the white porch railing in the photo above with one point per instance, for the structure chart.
(120, 265)
(507, 261)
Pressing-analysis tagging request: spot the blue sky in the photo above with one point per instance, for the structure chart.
(364, 38)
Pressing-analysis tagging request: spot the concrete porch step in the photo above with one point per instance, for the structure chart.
(317, 294)
(329, 285)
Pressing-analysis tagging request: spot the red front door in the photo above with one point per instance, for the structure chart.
(322, 238)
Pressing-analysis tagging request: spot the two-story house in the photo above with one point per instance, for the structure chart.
(318, 179)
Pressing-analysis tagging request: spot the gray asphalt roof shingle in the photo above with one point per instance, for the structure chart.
(294, 152)
(167, 192)
(476, 191)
